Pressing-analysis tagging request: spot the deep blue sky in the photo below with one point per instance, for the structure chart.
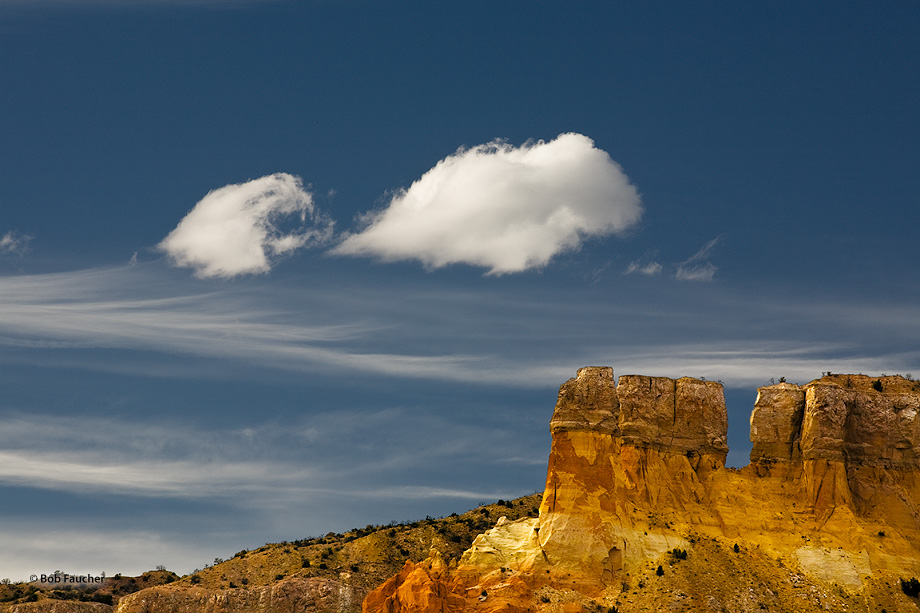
(156, 415)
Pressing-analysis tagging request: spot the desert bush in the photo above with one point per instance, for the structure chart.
(911, 587)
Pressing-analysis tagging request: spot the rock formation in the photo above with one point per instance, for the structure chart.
(637, 474)
(295, 594)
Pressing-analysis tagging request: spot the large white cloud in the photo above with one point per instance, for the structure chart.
(235, 230)
(503, 207)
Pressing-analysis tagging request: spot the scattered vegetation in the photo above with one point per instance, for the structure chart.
(108, 592)
(371, 554)
(678, 554)
(911, 587)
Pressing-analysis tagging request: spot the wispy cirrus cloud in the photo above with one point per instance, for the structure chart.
(122, 308)
(698, 267)
(234, 474)
(504, 208)
(118, 455)
(237, 229)
(482, 337)
(650, 268)
(15, 242)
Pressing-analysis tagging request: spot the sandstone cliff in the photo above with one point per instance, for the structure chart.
(825, 516)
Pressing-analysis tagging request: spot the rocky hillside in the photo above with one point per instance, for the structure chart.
(330, 573)
(66, 597)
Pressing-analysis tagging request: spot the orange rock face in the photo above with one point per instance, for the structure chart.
(637, 470)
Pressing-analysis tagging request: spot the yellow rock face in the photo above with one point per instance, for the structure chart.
(637, 480)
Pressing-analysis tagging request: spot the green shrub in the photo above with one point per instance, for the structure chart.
(660, 571)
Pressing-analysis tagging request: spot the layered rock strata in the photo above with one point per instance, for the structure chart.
(637, 469)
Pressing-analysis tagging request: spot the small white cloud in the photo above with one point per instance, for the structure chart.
(14, 242)
(649, 268)
(235, 230)
(698, 267)
(502, 207)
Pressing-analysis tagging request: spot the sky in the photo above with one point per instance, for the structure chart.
(270, 269)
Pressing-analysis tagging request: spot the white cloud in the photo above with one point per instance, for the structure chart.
(234, 230)
(14, 242)
(502, 207)
(698, 267)
(649, 268)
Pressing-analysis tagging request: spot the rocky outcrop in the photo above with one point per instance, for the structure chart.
(424, 587)
(56, 606)
(637, 470)
(852, 419)
(290, 595)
